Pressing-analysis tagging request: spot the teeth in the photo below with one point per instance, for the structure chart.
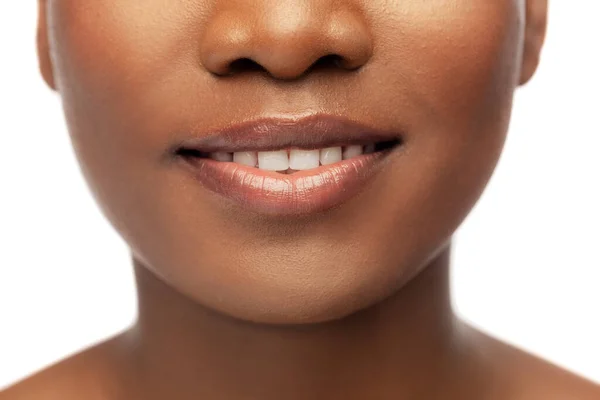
(352, 151)
(249, 158)
(297, 160)
(221, 156)
(273, 160)
(331, 155)
(304, 159)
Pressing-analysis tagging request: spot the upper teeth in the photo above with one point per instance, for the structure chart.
(297, 159)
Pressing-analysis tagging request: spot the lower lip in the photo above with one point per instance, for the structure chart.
(273, 193)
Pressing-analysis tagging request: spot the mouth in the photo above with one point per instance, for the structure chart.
(288, 166)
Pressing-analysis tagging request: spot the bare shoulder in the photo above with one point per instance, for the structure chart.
(530, 377)
(542, 380)
(86, 375)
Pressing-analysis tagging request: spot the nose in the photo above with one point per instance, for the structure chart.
(285, 38)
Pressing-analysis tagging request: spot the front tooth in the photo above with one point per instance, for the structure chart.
(273, 160)
(221, 156)
(304, 159)
(331, 155)
(248, 158)
(352, 151)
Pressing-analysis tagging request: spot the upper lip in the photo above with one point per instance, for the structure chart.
(267, 134)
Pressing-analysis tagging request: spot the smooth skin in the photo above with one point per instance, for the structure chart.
(349, 304)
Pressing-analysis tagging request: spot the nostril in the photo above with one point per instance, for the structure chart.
(245, 65)
(330, 61)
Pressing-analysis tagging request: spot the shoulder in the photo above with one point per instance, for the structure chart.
(530, 377)
(539, 379)
(85, 375)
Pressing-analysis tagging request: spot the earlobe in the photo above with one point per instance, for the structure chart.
(535, 33)
(43, 48)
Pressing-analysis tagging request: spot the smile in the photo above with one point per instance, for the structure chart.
(288, 167)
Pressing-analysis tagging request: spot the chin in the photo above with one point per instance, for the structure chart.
(297, 292)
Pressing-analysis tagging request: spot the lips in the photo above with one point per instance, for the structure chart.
(251, 164)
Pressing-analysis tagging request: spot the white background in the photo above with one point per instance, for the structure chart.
(526, 261)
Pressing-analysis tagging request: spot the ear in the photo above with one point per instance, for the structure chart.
(43, 48)
(535, 32)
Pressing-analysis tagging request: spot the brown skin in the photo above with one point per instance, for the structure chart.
(350, 304)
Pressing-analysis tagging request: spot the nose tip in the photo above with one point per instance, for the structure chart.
(287, 45)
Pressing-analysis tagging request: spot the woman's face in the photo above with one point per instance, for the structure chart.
(137, 78)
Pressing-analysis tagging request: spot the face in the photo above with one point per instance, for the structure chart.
(139, 78)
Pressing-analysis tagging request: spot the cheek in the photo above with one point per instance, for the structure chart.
(129, 36)
(457, 57)
(116, 62)
(455, 66)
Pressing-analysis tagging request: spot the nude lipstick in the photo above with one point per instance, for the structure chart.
(289, 166)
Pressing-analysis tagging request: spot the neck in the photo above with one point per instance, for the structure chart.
(398, 347)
